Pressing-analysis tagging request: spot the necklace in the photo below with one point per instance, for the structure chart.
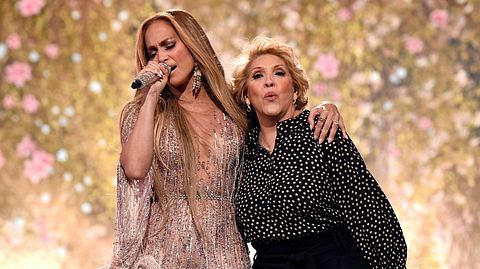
(264, 143)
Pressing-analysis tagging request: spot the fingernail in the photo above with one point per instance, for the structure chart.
(330, 140)
(320, 141)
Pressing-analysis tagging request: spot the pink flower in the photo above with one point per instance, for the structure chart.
(336, 95)
(413, 44)
(344, 14)
(39, 166)
(30, 104)
(320, 89)
(358, 5)
(30, 7)
(439, 18)
(2, 160)
(327, 65)
(9, 102)
(52, 50)
(13, 41)
(424, 123)
(42, 230)
(393, 150)
(26, 146)
(18, 73)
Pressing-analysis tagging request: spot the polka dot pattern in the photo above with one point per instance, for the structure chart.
(306, 188)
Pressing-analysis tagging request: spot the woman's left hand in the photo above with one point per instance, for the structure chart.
(329, 118)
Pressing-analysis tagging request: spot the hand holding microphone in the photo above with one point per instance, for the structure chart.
(151, 74)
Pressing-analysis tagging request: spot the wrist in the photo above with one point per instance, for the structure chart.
(151, 97)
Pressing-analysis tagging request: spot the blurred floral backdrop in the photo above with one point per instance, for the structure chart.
(405, 74)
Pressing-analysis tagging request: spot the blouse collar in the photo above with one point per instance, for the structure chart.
(287, 124)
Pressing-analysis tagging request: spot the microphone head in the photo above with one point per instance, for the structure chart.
(136, 84)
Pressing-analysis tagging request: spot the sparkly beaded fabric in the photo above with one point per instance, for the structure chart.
(140, 242)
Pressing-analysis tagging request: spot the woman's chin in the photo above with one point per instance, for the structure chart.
(271, 112)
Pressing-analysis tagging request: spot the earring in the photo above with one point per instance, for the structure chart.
(247, 102)
(197, 80)
(295, 100)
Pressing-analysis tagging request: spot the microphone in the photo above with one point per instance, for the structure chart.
(148, 78)
(143, 80)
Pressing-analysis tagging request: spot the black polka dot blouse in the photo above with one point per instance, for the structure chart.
(305, 188)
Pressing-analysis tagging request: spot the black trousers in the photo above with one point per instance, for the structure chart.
(332, 249)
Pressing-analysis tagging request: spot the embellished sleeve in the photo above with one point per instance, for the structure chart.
(133, 207)
(364, 207)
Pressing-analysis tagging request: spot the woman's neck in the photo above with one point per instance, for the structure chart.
(270, 122)
(268, 127)
(185, 93)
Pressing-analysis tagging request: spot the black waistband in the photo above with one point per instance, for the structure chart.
(330, 243)
(325, 238)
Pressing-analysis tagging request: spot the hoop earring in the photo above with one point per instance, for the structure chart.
(247, 102)
(197, 80)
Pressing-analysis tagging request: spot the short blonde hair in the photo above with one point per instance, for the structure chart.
(262, 45)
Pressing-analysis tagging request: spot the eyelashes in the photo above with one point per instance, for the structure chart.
(258, 75)
(168, 46)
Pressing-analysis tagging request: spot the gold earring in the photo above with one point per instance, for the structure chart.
(247, 102)
(295, 100)
(197, 80)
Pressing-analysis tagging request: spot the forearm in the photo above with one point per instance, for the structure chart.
(137, 152)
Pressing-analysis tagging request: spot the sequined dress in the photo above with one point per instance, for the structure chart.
(141, 243)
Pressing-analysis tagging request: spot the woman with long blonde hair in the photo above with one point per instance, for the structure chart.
(182, 141)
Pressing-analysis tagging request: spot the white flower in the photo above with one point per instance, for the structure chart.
(87, 180)
(102, 36)
(79, 187)
(3, 50)
(34, 56)
(67, 176)
(76, 57)
(69, 111)
(123, 15)
(75, 14)
(86, 208)
(45, 198)
(55, 110)
(116, 25)
(45, 128)
(62, 155)
(95, 87)
(63, 121)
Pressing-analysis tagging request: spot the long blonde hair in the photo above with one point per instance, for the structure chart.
(195, 39)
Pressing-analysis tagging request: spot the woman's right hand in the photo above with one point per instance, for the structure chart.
(161, 70)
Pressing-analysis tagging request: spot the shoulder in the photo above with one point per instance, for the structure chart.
(339, 145)
(251, 139)
(300, 120)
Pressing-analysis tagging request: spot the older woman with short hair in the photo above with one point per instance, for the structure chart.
(298, 210)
